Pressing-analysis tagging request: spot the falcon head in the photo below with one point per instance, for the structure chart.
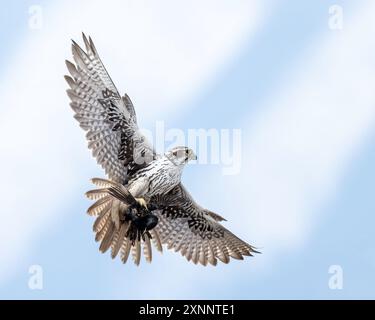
(180, 155)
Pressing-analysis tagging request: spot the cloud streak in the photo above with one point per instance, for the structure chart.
(302, 140)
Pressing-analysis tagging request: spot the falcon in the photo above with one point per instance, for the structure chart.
(142, 202)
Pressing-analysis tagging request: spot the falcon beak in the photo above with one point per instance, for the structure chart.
(193, 156)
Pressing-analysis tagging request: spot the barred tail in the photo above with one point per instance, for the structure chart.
(112, 230)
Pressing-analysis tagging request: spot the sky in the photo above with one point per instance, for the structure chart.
(294, 78)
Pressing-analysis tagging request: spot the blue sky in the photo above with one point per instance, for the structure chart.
(300, 93)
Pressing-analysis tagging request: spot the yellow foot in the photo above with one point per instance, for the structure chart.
(142, 202)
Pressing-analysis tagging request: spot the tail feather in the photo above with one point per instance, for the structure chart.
(125, 250)
(115, 241)
(103, 183)
(156, 240)
(136, 252)
(102, 219)
(100, 235)
(115, 213)
(98, 206)
(121, 235)
(96, 194)
(108, 237)
(112, 230)
(122, 194)
(147, 249)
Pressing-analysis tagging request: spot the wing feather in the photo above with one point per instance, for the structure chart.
(196, 232)
(109, 119)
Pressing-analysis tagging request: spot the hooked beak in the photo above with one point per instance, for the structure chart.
(193, 156)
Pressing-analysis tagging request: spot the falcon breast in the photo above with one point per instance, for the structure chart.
(142, 201)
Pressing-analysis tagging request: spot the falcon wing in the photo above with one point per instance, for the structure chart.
(109, 119)
(194, 231)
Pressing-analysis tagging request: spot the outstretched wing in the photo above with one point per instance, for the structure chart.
(109, 119)
(194, 231)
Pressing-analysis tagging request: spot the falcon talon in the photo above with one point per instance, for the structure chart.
(142, 202)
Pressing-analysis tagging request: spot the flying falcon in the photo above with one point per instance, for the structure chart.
(143, 200)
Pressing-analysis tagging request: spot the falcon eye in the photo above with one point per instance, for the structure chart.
(175, 153)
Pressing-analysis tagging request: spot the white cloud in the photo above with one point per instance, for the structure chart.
(300, 143)
(160, 53)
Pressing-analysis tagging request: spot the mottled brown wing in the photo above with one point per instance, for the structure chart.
(196, 232)
(109, 119)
